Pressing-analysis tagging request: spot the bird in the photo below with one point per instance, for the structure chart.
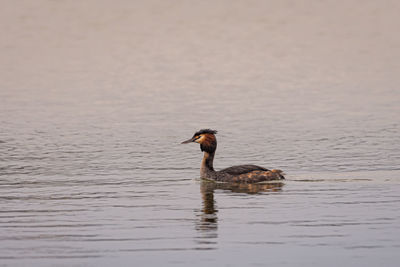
(235, 174)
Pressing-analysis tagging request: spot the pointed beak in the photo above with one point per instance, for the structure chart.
(188, 141)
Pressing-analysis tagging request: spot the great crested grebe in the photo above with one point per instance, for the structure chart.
(235, 174)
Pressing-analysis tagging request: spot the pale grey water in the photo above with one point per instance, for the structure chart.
(96, 96)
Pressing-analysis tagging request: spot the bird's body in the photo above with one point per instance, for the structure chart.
(235, 174)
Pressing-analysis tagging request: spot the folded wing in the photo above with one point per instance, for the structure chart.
(241, 169)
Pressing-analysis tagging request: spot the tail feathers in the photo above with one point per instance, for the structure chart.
(279, 173)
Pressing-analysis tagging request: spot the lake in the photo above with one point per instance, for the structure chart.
(96, 97)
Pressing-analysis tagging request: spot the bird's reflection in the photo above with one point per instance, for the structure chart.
(208, 187)
(208, 219)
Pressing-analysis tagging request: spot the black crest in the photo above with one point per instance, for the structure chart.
(205, 131)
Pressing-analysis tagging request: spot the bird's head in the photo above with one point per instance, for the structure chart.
(206, 138)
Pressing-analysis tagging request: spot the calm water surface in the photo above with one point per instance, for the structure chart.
(96, 97)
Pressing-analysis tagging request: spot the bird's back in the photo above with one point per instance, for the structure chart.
(248, 174)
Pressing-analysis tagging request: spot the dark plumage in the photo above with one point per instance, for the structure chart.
(241, 169)
(238, 174)
(205, 131)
